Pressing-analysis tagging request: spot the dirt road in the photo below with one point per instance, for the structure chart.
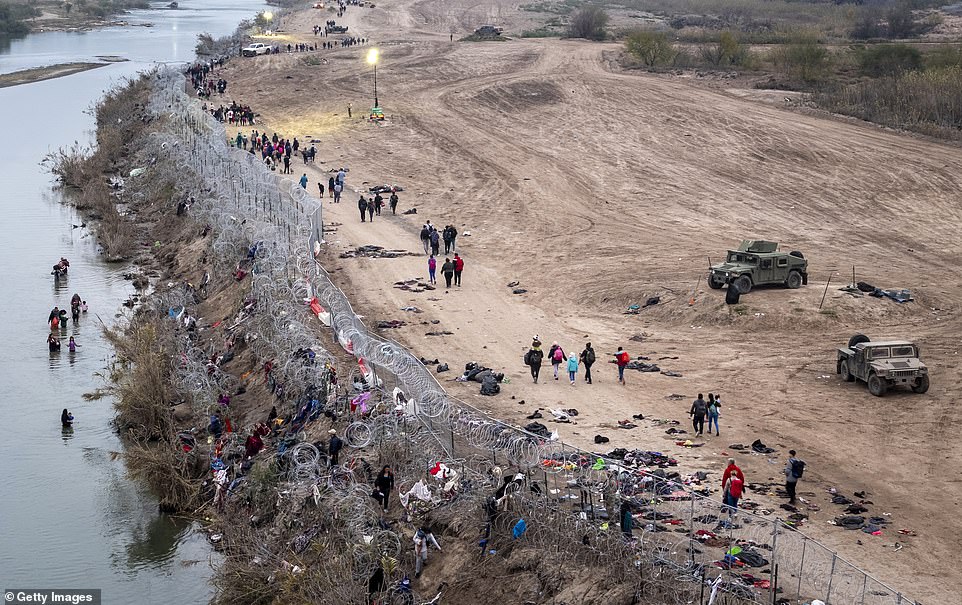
(597, 189)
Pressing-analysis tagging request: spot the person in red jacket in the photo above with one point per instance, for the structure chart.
(622, 358)
(458, 268)
(733, 491)
(731, 470)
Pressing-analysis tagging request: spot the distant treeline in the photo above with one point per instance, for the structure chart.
(12, 18)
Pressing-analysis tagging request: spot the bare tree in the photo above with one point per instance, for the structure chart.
(589, 22)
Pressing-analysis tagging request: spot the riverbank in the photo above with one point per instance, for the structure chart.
(38, 74)
(270, 353)
(22, 17)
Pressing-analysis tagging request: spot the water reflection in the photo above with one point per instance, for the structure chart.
(156, 544)
(66, 434)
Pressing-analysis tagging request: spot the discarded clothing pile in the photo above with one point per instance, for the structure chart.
(374, 252)
(486, 376)
(538, 429)
(635, 309)
(385, 189)
(413, 285)
(750, 557)
(761, 448)
(850, 521)
(899, 296)
(394, 323)
(476, 372)
(642, 366)
(642, 458)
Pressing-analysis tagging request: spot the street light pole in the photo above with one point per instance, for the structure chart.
(372, 58)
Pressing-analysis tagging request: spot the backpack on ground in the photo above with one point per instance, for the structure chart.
(798, 468)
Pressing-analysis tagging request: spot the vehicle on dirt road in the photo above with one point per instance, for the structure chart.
(257, 48)
(488, 31)
(882, 364)
(336, 29)
(757, 263)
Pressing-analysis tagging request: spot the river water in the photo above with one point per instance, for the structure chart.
(69, 516)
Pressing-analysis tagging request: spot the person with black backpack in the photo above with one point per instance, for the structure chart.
(587, 359)
(793, 472)
(426, 236)
(556, 355)
(533, 359)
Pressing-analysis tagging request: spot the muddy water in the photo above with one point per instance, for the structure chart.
(69, 517)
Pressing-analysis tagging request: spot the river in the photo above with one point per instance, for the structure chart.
(69, 515)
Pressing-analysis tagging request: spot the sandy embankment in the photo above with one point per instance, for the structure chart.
(38, 74)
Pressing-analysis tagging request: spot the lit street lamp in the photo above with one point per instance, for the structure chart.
(372, 57)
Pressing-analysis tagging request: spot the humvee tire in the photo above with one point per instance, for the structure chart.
(794, 280)
(743, 284)
(876, 385)
(715, 284)
(843, 370)
(858, 338)
(922, 385)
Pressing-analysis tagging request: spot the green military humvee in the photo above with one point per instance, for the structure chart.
(882, 364)
(757, 263)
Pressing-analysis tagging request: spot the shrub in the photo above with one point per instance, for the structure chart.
(888, 59)
(727, 51)
(650, 47)
(803, 60)
(589, 22)
(943, 56)
(927, 101)
(868, 26)
(901, 22)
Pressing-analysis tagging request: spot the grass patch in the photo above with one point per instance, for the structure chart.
(477, 38)
(542, 32)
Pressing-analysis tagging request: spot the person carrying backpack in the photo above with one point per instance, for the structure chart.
(556, 354)
(533, 359)
(426, 238)
(793, 472)
(697, 412)
(622, 358)
(587, 359)
(733, 491)
(714, 410)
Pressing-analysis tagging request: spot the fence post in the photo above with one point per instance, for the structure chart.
(691, 536)
(801, 569)
(831, 578)
(771, 585)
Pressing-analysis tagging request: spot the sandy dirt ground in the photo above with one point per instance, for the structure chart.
(597, 189)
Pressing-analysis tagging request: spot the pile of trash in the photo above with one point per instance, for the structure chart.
(413, 285)
(898, 295)
(488, 378)
(371, 251)
(636, 309)
(384, 189)
(642, 458)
